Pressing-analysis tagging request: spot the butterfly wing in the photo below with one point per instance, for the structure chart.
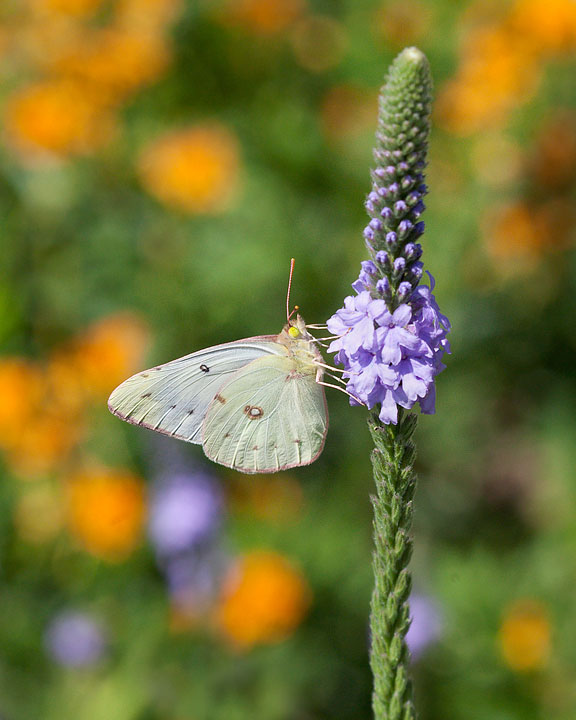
(267, 417)
(173, 398)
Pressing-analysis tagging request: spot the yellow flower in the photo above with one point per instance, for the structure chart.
(524, 636)
(106, 511)
(194, 169)
(263, 601)
(262, 17)
(57, 117)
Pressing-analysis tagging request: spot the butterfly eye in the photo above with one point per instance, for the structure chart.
(293, 331)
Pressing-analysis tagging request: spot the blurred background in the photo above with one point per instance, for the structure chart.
(161, 162)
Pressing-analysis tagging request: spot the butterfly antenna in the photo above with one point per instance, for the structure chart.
(288, 313)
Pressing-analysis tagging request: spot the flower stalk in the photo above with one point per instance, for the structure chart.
(392, 462)
(391, 338)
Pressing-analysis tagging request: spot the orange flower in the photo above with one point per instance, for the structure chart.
(21, 390)
(149, 14)
(57, 117)
(524, 636)
(106, 511)
(106, 353)
(262, 17)
(511, 232)
(498, 72)
(264, 600)
(43, 443)
(522, 231)
(114, 62)
(78, 8)
(550, 25)
(34, 433)
(194, 169)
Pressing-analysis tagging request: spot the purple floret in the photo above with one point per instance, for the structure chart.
(390, 358)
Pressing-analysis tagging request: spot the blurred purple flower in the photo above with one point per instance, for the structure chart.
(426, 626)
(75, 639)
(185, 509)
(194, 577)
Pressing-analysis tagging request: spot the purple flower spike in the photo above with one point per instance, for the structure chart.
(75, 639)
(391, 337)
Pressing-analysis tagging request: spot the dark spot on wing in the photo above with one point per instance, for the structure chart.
(256, 447)
(190, 412)
(227, 435)
(204, 368)
(144, 375)
(298, 441)
(220, 398)
(146, 395)
(172, 407)
(253, 412)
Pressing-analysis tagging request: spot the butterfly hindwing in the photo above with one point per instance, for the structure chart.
(267, 417)
(173, 398)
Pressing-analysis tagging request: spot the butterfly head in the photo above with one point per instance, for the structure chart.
(296, 329)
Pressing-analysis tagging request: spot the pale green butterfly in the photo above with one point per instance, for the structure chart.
(256, 405)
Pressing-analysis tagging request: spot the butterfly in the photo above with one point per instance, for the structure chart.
(256, 405)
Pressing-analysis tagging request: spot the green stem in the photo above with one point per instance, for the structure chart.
(392, 460)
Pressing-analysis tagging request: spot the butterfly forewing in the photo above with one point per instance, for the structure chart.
(173, 398)
(269, 416)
